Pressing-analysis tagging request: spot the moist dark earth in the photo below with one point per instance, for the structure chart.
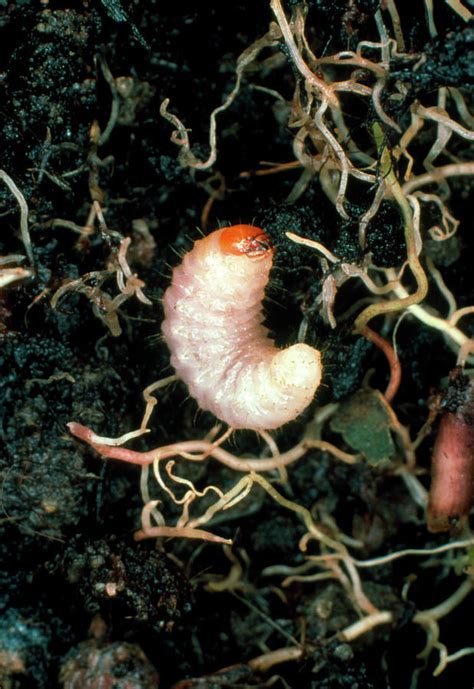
(81, 603)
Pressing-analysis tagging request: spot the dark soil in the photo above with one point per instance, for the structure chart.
(81, 603)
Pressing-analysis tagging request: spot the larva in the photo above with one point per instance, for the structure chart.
(219, 347)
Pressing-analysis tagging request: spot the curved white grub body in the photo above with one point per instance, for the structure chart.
(219, 347)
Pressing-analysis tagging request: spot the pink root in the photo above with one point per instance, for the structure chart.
(122, 453)
(199, 450)
(392, 359)
(193, 450)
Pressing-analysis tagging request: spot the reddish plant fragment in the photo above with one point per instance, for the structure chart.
(452, 484)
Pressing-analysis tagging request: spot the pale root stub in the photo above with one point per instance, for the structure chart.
(219, 347)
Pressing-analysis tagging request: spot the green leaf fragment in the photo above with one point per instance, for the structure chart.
(364, 423)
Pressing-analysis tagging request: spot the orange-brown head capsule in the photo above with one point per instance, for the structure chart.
(245, 240)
